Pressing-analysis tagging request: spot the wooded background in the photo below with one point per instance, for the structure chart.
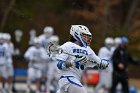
(103, 17)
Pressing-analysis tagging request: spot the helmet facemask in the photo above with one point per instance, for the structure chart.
(86, 38)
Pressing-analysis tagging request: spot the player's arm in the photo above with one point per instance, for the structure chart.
(62, 59)
(100, 62)
(62, 62)
(28, 54)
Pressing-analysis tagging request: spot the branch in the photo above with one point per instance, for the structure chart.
(130, 14)
(5, 15)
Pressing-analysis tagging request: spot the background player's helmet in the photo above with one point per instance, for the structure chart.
(81, 33)
(117, 41)
(36, 42)
(7, 36)
(54, 39)
(48, 30)
(109, 42)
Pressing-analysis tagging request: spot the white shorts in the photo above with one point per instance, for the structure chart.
(34, 73)
(3, 71)
(65, 82)
(9, 70)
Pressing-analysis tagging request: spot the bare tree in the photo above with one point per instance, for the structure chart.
(130, 14)
(6, 13)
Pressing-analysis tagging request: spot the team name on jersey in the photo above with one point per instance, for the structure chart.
(80, 51)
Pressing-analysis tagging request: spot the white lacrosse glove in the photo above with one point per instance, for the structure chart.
(103, 64)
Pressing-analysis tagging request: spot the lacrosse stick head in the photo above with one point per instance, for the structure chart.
(50, 48)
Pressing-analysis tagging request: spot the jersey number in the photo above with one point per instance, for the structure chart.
(79, 66)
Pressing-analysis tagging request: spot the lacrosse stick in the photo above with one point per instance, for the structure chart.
(51, 48)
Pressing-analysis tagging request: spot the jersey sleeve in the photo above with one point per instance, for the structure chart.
(62, 58)
(93, 56)
(28, 53)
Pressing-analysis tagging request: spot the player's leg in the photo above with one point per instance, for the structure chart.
(108, 82)
(124, 82)
(1, 80)
(10, 73)
(100, 83)
(115, 82)
(30, 78)
(50, 77)
(3, 77)
(76, 89)
(38, 73)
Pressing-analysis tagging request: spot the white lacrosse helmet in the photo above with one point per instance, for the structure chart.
(1, 35)
(117, 40)
(81, 33)
(36, 41)
(109, 40)
(6, 36)
(48, 29)
(54, 39)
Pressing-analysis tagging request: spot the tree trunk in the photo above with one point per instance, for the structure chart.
(5, 15)
(130, 14)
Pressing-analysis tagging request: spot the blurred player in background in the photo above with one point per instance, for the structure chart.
(4, 55)
(70, 68)
(44, 39)
(105, 80)
(52, 70)
(47, 33)
(36, 56)
(117, 42)
(9, 62)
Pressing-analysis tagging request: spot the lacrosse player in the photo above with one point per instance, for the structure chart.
(9, 61)
(52, 69)
(4, 55)
(36, 56)
(44, 38)
(105, 80)
(77, 56)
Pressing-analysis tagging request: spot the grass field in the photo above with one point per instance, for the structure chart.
(22, 87)
(135, 82)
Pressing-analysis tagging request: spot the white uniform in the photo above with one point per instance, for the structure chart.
(44, 40)
(4, 54)
(36, 57)
(105, 76)
(44, 43)
(72, 75)
(9, 65)
(52, 77)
